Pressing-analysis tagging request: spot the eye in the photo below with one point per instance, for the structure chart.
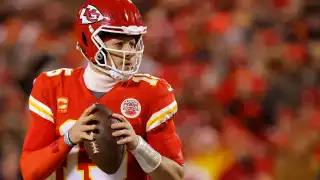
(119, 45)
(132, 44)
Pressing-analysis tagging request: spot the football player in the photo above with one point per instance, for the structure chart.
(109, 34)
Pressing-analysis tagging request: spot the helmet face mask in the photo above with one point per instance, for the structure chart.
(104, 56)
(115, 18)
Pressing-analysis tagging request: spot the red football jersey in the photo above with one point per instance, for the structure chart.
(59, 98)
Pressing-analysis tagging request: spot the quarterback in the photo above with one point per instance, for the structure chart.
(109, 35)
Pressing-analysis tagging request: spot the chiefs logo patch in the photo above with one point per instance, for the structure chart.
(90, 14)
(130, 108)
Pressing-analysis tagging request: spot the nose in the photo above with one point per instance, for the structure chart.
(128, 47)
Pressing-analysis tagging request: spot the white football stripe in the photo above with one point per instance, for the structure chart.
(41, 105)
(151, 124)
(43, 115)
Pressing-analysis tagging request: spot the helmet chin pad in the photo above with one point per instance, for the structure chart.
(113, 74)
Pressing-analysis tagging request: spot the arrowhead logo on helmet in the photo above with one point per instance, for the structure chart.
(90, 14)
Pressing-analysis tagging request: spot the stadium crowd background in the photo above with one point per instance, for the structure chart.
(246, 75)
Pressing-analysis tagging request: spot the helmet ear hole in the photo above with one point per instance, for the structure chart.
(101, 56)
(84, 39)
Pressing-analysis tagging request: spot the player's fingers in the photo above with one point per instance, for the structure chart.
(89, 118)
(123, 119)
(126, 140)
(120, 117)
(88, 127)
(120, 125)
(87, 136)
(88, 110)
(123, 132)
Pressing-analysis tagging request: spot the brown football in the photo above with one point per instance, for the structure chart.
(104, 150)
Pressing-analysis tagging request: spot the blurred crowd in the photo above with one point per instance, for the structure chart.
(246, 74)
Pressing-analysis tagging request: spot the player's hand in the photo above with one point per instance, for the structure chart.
(79, 130)
(125, 130)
